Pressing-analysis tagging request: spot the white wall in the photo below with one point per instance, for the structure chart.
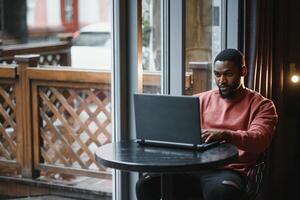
(53, 13)
(88, 11)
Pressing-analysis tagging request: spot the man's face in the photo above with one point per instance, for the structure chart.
(228, 77)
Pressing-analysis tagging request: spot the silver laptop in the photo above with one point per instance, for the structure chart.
(169, 121)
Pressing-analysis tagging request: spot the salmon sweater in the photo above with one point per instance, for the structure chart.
(249, 120)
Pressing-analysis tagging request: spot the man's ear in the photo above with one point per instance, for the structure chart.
(244, 71)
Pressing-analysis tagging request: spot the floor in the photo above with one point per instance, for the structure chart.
(82, 182)
(43, 198)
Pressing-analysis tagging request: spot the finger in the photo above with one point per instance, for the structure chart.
(205, 135)
(208, 139)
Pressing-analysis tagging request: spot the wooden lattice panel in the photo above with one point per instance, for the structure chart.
(8, 130)
(74, 123)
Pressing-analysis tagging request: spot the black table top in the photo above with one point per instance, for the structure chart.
(130, 156)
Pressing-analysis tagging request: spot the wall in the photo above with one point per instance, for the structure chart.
(285, 160)
(292, 98)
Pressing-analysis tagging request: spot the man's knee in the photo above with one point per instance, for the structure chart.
(224, 191)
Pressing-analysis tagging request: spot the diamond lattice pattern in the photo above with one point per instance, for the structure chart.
(8, 131)
(74, 123)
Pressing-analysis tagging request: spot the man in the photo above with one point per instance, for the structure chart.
(233, 113)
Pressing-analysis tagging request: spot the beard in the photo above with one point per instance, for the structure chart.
(228, 91)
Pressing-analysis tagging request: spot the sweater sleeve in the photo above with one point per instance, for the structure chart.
(259, 134)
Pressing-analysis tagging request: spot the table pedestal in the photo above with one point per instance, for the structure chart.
(166, 187)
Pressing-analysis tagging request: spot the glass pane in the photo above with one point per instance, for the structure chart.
(92, 40)
(72, 118)
(203, 42)
(151, 48)
(68, 11)
(87, 23)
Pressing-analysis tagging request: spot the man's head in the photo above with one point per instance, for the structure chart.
(229, 69)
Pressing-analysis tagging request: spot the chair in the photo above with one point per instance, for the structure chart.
(255, 176)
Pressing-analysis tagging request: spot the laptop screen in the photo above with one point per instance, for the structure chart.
(167, 118)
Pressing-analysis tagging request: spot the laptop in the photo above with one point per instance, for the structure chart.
(169, 121)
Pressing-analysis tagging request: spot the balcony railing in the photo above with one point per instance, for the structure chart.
(51, 53)
(52, 119)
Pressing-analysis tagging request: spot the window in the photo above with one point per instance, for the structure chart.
(90, 104)
(44, 17)
(155, 43)
(151, 46)
(203, 40)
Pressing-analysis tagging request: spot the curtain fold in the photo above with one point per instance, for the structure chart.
(265, 50)
(258, 45)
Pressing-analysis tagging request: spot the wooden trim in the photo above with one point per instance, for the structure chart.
(8, 52)
(35, 125)
(8, 72)
(152, 79)
(28, 60)
(74, 171)
(69, 74)
(73, 85)
(8, 163)
(23, 102)
(7, 81)
(19, 123)
(55, 45)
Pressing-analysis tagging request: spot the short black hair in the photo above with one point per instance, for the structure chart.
(233, 55)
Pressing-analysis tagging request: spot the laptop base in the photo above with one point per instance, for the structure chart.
(197, 147)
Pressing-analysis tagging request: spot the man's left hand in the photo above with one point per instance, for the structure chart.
(210, 135)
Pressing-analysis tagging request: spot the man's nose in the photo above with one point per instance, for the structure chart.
(222, 79)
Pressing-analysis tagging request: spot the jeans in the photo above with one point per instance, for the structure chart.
(206, 185)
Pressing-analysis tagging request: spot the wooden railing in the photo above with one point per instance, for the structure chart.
(52, 119)
(9, 147)
(51, 53)
(59, 53)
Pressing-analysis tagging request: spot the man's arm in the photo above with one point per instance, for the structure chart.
(259, 135)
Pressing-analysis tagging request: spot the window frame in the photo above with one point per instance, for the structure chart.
(127, 52)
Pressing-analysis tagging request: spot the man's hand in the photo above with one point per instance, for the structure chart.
(210, 135)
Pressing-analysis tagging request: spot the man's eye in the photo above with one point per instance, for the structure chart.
(217, 74)
(229, 74)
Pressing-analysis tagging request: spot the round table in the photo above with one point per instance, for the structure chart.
(130, 156)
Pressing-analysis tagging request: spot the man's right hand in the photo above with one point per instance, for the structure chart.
(210, 135)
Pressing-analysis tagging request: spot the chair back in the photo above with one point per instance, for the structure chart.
(255, 176)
